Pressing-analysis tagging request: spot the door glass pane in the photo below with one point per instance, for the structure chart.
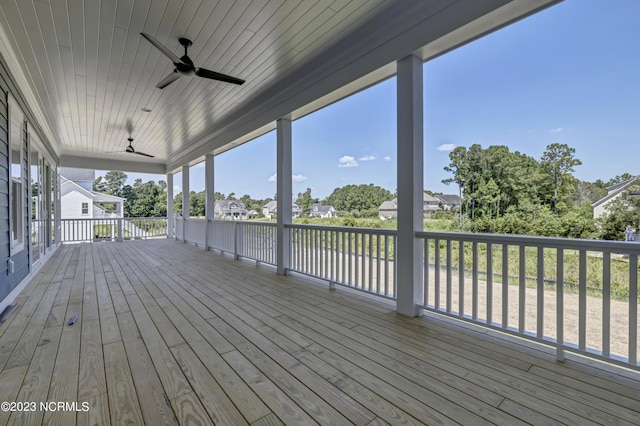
(34, 183)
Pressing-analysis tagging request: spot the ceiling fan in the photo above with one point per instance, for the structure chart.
(129, 149)
(184, 66)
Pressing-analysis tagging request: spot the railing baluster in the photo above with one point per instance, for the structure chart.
(386, 265)
(425, 272)
(371, 262)
(449, 276)
(606, 303)
(560, 305)
(378, 261)
(582, 300)
(350, 259)
(461, 278)
(356, 266)
(633, 309)
(522, 287)
(489, 283)
(540, 294)
(474, 284)
(343, 256)
(436, 281)
(505, 285)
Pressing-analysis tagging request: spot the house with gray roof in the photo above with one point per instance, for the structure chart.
(318, 210)
(230, 210)
(269, 210)
(613, 192)
(448, 201)
(430, 205)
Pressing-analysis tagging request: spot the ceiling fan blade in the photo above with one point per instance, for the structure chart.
(168, 80)
(169, 54)
(142, 153)
(201, 72)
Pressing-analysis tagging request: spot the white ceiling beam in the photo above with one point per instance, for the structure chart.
(108, 164)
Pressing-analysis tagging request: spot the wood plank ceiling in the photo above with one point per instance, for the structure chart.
(91, 71)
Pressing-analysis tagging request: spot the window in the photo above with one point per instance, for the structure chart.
(85, 208)
(16, 158)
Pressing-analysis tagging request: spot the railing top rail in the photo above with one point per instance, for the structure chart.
(115, 218)
(379, 231)
(565, 243)
(243, 222)
(256, 223)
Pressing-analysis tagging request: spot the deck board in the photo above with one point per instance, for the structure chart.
(171, 334)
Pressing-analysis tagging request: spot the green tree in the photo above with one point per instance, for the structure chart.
(114, 182)
(197, 203)
(363, 199)
(304, 201)
(558, 162)
(147, 199)
(619, 179)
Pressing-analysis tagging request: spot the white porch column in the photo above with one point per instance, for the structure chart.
(186, 205)
(209, 191)
(284, 188)
(410, 185)
(170, 213)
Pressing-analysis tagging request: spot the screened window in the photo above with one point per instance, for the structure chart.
(85, 208)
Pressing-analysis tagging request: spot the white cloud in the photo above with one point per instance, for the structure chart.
(367, 158)
(347, 161)
(446, 147)
(387, 158)
(556, 130)
(177, 188)
(295, 178)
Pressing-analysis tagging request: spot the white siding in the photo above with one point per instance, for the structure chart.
(72, 205)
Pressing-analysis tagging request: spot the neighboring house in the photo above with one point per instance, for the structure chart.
(430, 205)
(80, 203)
(448, 201)
(613, 192)
(269, 210)
(230, 210)
(318, 210)
(252, 214)
(388, 209)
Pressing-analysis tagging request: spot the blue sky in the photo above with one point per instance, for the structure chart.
(570, 74)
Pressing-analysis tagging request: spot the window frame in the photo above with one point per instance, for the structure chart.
(16, 185)
(83, 208)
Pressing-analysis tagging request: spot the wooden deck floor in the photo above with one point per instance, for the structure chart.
(169, 334)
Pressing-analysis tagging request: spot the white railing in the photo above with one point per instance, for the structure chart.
(195, 231)
(222, 236)
(257, 241)
(576, 295)
(250, 240)
(354, 257)
(112, 229)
